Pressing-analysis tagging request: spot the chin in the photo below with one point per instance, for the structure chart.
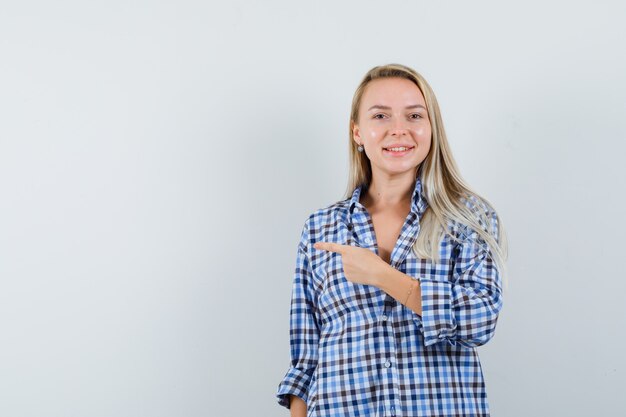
(400, 170)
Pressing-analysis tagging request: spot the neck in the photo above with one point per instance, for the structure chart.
(385, 192)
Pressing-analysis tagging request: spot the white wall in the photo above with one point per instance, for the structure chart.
(158, 160)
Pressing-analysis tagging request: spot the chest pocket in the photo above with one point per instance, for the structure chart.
(438, 270)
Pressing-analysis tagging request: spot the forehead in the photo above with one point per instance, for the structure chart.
(394, 90)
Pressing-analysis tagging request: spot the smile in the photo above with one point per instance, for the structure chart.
(401, 151)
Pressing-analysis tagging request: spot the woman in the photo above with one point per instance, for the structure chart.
(396, 285)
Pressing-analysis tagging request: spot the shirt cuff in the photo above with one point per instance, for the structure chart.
(296, 382)
(437, 321)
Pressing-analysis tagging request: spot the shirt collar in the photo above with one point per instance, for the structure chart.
(418, 202)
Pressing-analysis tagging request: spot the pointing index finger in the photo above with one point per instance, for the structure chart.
(329, 246)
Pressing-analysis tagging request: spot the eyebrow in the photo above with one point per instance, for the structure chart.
(380, 106)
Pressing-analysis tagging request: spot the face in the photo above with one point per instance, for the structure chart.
(393, 114)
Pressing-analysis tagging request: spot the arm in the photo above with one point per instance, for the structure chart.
(461, 311)
(298, 407)
(304, 332)
(398, 284)
(464, 310)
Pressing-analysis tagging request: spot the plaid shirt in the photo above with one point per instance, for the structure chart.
(357, 351)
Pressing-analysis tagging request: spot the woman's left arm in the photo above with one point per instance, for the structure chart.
(463, 310)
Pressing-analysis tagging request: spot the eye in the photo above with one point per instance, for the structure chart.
(378, 114)
(418, 116)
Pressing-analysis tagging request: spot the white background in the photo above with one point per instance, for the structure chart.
(158, 161)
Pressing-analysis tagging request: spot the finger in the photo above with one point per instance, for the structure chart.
(329, 246)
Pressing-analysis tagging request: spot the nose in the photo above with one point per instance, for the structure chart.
(398, 128)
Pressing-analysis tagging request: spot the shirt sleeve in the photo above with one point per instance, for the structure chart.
(464, 310)
(304, 330)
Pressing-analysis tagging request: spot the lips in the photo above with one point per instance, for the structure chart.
(397, 153)
(407, 147)
(398, 145)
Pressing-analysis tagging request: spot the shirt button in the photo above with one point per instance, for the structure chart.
(393, 411)
(384, 317)
(387, 364)
(368, 239)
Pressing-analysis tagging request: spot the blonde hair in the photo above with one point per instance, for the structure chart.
(442, 185)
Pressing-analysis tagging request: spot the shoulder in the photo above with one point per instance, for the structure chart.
(478, 205)
(324, 222)
(482, 212)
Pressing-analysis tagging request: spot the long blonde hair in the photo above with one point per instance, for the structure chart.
(442, 185)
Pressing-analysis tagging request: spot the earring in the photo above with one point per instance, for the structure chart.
(360, 148)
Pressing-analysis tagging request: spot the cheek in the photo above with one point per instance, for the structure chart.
(373, 133)
(423, 132)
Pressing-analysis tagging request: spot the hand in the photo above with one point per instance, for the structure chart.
(360, 265)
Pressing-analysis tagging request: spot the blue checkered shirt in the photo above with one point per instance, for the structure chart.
(357, 351)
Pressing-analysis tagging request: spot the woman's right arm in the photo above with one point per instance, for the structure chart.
(298, 407)
(304, 333)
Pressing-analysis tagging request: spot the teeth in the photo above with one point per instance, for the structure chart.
(400, 149)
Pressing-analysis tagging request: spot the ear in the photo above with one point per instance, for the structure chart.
(356, 133)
